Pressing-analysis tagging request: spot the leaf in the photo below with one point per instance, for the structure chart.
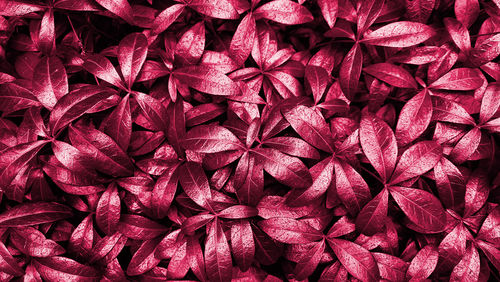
(399, 34)
(28, 214)
(490, 102)
(208, 80)
(458, 33)
(379, 144)
(419, 10)
(485, 51)
(47, 34)
(467, 12)
(423, 264)
(490, 229)
(102, 68)
(351, 187)
(356, 259)
(153, 111)
(284, 12)
(458, 79)
(417, 160)
(8, 264)
(306, 266)
(144, 258)
(390, 267)
(166, 18)
(468, 268)
(118, 125)
(368, 14)
(372, 216)
(292, 146)
(14, 97)
(32, 242)
(350, 71)
(108, 210)
(476, 192)
(82, 238)
(50, 82)
(132, 52)
(421, 207)
(449, 111)
(191, 45)
(220, 9)
(195, 183)
(57, 267)
(120, 8)
(211, 139)
(392, 74)
(414, 118)
(317, 79)
(217, 254)
(106, 155)
(163, 192)
(75, 104)
(286, 169)
(242, 42)
(290, 231)
(467, 145)
(139, 228)
(242, 244)
(450, 184)
(311, 126)
(329, 9)
(248, 180)
(15, 158)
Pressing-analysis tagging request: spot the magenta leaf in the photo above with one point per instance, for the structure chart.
(421, 207)
(291, 231)
(34, 243)
(242, 244)
(372, 217)
(350, 71)
(50, 82)
(108, 210)
(468, 268)
(8, 263)
(391, 74)
(29, 214)
(414, 119)
(424, 263)
(132, 53)
(284, 11)
(351, 187)
(195, 183)
(208, 80)
(379, 144)
(57, 267)
(102, 68)
(417, 160)
(399, 34)
(356, 259)
(217, 254)
(458, 79)
(121, 8)
(211, 139)
(119, 124)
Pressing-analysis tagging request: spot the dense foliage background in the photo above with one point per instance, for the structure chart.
(213, 140)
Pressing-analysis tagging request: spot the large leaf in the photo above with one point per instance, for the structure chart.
(414, 118)
(50, 82)
(286, 169)
(284, 11)
(118, 125)
(356, 259)
(242, 243)
(57, 268)
(424, 263)
(351, 187)
(101, 67)
(217, 254)
(34, 213)
(379, 144)
(417, 160)
(459, 79)
(195, 183)
(399, 34)
(350, 71)
(108, 210)
(392, 74)
(421, 207)
(211, 139)
(132, 53)
(220, 9)
(208, 80)
(311, 126)
(120, 8)
(468, 268)
(372, 217)
(75, 104)
(290, 231)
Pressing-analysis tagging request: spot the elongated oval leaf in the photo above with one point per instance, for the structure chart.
(50, 82)
(459, 79)
(195, 183)
(421, 207)
(211, 139)
(28, 214)
(290, 231)
(285, 12)
(208, 80)
(372, 217)
(108, 210)
(414, 118)
(57, 268)
(392, 74)
(350, 71)
(399, 34)
(132, 53)
(417, 160)
(424, 263)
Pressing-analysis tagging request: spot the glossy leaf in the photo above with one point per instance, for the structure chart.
(50, 81)
(132, 53)
(399, 34)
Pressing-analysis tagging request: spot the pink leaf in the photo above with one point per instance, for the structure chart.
(372, 217)
(220, 9)
(195, 183)
(421, 207)
(242, 243)
(450, 184)
(392, 74)
(191, 45)
(164, 192)
(329, 9)
(417, 160)
(50, 82)
(317, 79)
(290, 231)
(139, 228)
(306, 266)
(379, 144)
(55, 268)
(119, 124)
(82, 238)
(120, 8)
(144, 258)
(459, 79)
(132, 53)
(102, 68)
(28, 214)
(356, 259)
(467, 11)
(217, 254)
(368, 14)
(8, 264)
(351, 187)
(166, 18)
(208, 80)
(468, 268)
(285, 12)
(350, 71)
(286, 169)
(424, 263)
(108, 210)
(476, 193)
(399, 34)
(211, 139)
(32, 242)
(414, 118)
